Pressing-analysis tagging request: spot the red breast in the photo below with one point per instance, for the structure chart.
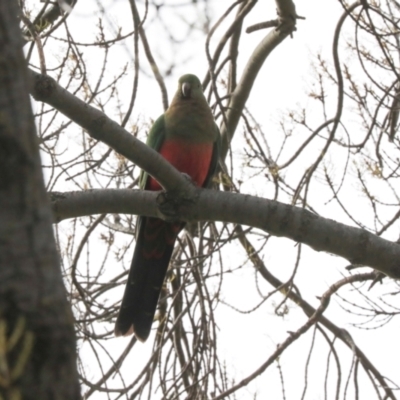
(191, 158)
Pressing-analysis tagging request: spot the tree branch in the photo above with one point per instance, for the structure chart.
(104, 129)
(322, 234)
(356, 245)
(243, 89)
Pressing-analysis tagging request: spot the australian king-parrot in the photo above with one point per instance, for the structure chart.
(187, 136)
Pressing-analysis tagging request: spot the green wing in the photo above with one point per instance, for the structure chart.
(214, 159)
(154, 140)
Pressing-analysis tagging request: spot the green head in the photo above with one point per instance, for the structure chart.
(189, 87)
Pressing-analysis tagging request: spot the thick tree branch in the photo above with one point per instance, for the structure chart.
(102, 128)
(322, 234)
(356, 245)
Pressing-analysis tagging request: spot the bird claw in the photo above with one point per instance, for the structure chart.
(169, 205)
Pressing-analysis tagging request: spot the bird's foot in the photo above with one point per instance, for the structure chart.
(171, 204)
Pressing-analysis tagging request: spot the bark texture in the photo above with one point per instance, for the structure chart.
(37, 340)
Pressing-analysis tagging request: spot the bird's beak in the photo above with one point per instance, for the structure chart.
(186, 89)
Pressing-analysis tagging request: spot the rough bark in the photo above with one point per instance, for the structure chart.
(37, 340)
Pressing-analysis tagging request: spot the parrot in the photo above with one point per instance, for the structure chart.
(187, 136)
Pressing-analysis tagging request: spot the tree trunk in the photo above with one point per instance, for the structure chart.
(37, 340)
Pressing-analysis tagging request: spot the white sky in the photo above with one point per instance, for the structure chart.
(282, 84)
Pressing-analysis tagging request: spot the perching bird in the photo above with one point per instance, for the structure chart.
(187, 136)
